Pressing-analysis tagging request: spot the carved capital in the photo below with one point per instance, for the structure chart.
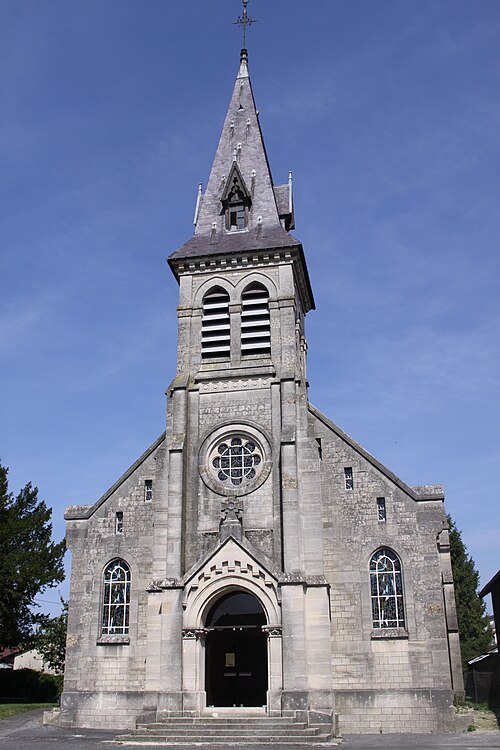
(272, 631)
(191, 634)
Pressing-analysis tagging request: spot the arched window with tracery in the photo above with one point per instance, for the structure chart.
(215, 324)
(386, 590)
(255, 320)
(116, 598)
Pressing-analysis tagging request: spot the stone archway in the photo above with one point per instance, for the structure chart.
(231, 571)
(236, 669)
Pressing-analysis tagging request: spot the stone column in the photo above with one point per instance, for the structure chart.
(275, 668)
(193, 671)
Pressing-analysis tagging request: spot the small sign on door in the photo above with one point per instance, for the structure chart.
(230, 659)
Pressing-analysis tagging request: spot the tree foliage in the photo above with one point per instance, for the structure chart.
(30, 561)
(50, 638)
(473, 624)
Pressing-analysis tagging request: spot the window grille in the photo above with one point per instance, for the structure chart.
(382, 515)
(236, 460)
(386, 590)
(116, 598)
(255, 321)
(148, 490)
(215, 325)
(119, 522)
(348, 478)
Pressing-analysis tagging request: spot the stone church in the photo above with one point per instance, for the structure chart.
(255, 559)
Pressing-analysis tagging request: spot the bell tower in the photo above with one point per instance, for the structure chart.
(241, 466)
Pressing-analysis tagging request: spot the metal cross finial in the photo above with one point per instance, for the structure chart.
(244, 21)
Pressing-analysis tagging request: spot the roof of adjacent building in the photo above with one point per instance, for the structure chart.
(490, 585)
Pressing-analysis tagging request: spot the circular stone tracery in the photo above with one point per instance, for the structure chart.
(235, 460)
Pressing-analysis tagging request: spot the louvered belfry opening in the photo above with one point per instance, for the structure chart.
(215, 325)
(255, 322)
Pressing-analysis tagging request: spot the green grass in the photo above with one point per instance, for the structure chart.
(12, 709)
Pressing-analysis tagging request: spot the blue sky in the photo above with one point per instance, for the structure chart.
(387, 112)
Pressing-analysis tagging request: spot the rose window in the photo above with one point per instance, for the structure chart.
(235, 461)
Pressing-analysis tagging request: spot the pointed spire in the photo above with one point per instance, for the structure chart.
(243, 71)
(241, 143)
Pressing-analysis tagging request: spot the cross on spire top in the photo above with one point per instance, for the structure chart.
(244, 21)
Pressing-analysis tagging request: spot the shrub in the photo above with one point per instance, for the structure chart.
(28, 685)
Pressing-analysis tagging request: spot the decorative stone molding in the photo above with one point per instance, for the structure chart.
(231, 514)
(190, 634)
(272, 631)
(165, 583)
(235, 385)
(292, 579)
(113, 640)
(390, 634)
(227, 433)
(258, 259)
(229, 568)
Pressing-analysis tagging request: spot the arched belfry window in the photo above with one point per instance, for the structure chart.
(236, 202)
(215, 324)
(255, 321)
(386, 590)
(116, 598)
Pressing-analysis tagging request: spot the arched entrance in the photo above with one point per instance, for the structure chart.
(236, 652)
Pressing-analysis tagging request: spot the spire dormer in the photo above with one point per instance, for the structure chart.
(236, 201)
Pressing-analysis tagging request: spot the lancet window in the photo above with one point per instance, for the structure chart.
(215, 324)
(255, 321)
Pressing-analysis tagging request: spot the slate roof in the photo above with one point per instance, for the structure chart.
(241, 142)
(260, 238)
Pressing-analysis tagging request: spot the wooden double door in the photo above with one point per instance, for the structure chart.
(236, 652)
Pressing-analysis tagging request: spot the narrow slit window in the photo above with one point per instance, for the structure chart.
(215, 325)
(320, 448)
(148, 490)
(119, 522)
(255, 321)
(381, 511)
(348, 478)
(237, 217)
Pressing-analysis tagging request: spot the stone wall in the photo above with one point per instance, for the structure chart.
(390, 679)
(105, 674)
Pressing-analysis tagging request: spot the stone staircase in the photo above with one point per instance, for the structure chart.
(225, 730)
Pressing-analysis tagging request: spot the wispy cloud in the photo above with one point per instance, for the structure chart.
(25, 319)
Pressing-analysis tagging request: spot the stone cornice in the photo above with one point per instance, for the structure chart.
(252, 259)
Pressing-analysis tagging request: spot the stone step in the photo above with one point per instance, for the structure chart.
(242, 732)
(222, 723)
(265, 739)
(225, 720)
(226, 729)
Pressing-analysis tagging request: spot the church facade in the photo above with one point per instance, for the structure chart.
(255, 556)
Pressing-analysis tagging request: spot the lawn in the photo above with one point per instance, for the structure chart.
(12, 709)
